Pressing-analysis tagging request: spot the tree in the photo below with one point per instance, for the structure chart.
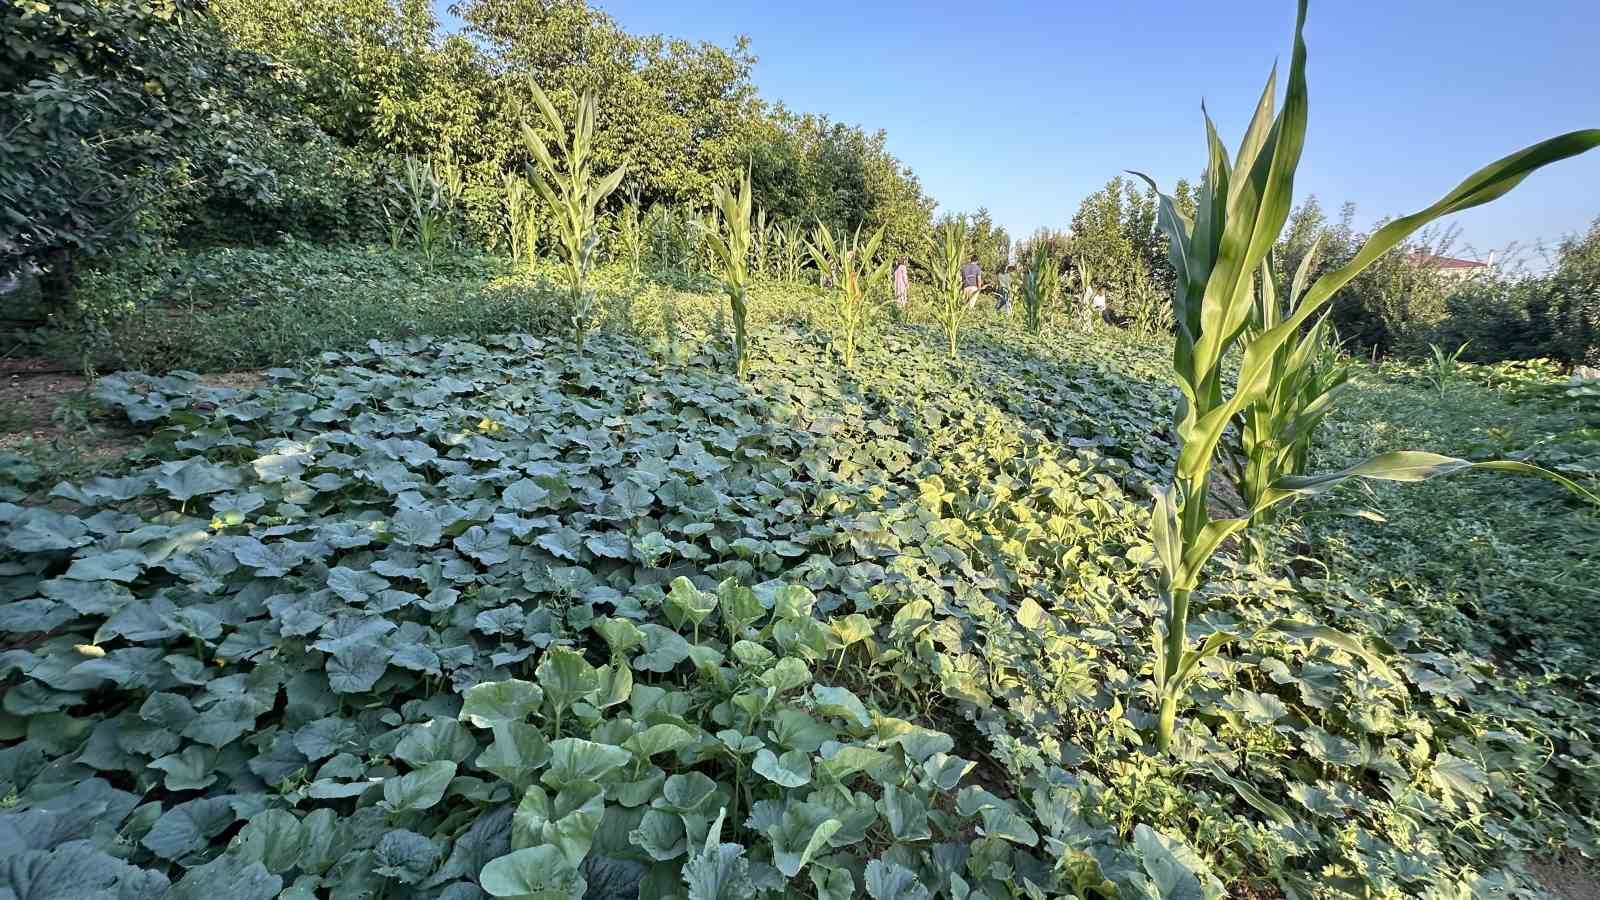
(1566, 310)
(366, 66)
(988, 241)
(119, 113)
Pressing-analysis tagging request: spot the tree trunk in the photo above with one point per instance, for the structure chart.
(58, 279)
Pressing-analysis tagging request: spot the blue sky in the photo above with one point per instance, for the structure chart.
(1026, 107)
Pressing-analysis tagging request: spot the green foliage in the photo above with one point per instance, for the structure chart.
(227, 309)
(429, 195)
(133, 122)
(1444, 366)
(1114, 244)
(1040, 283)
(629, 236)
(946, 253)
(731, 241)
(1242, 209)
(1272, 436)
(790, 251)
(574, 193)
(950, 567)
(522, 222)
(857, 274)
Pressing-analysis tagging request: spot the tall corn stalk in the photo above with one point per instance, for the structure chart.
(572, 191)
(731, 244)
(1272, 436)
(1039, 285)
(791, 251)
(1243, 204)
(451, 179)
(522, 220)
(947, 250)
(427, 207)
(858, 277)
(629, 229)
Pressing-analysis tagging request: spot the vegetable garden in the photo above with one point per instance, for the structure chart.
(715, 590)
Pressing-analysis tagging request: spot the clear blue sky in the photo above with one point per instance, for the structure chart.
(1024, 107)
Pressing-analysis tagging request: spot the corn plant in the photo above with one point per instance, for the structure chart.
(947, 250)
(575, 195)
(731, 244)
(1243, 205)
(858, 278)
(522, 220)
(1039, 285)
(761, 242)
(426, 207)
(1146, 312)
(629, 229)
(451, 180)
(669, 245)
(1443, 367)
(791, 244)
(1271, 438)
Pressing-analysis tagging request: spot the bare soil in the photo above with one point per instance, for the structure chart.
(32, 390)
(28, 402)
(1570, 877)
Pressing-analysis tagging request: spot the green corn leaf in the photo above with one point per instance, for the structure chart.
(1412, 466)
(1247, 792)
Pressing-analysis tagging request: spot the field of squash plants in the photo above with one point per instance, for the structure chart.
(838, 601)
(447, 619)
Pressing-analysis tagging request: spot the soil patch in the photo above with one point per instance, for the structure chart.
(30, 395)
(242, 381)
(1570, 877)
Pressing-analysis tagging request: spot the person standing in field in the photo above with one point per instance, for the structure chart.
(971, 280)
(1002, 294)
(1099, 304)
(902, 281)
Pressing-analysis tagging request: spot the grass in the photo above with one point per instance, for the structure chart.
(1510, 556)
(975, 523)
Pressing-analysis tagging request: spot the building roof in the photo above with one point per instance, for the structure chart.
(1433, 261)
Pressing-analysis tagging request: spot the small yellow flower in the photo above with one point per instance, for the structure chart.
(89, 650)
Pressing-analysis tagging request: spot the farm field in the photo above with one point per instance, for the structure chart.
(492, 449)
(447, 617)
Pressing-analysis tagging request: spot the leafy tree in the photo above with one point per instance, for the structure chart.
(1101, 250)
(131, 122)
(988, 241)
(367, 66)
(1566, 311)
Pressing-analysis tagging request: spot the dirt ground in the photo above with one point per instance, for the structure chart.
(30, 392)
(33, 390)
(1570, 878)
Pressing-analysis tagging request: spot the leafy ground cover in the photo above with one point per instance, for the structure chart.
(445, 618)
